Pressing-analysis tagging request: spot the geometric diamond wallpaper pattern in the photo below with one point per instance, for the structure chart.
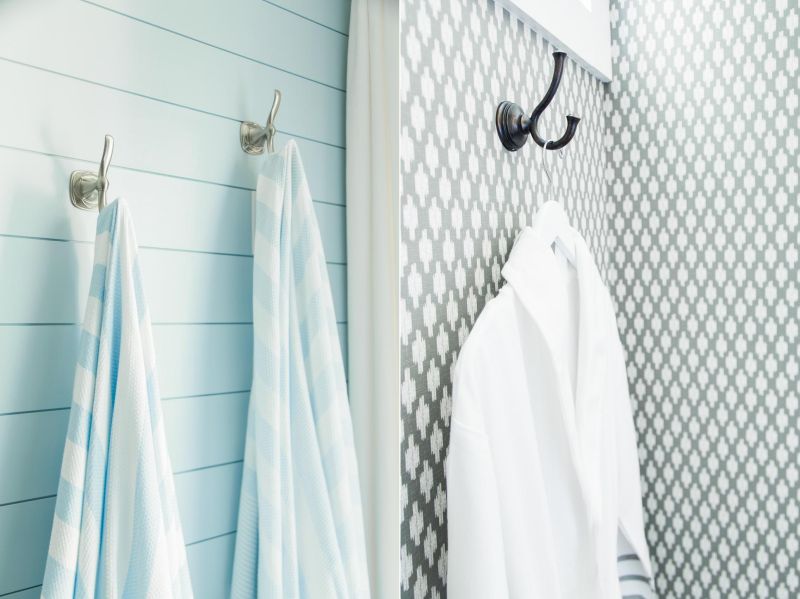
(702, 136)
(463, 200)
(683, 178)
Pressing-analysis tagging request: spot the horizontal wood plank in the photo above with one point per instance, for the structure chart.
(31, 446)
(208, 501)
(37, 367)
(210, 566)
(33, 593)
(253, 28)
(212, 218)
(196, 76)
(60, 115)
(205, 431)
(337, 273)
(201, 432)
(331, 13)
(191, 360)
(50, 280)
(342, 328)
(25, 537)
(203, 359)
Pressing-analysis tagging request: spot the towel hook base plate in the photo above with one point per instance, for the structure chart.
(512, 125)
(83, 192)
(252, 136)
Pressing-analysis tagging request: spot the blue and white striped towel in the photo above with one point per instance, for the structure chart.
(116, 531)
(300, 531)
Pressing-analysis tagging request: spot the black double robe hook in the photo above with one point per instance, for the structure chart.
(513, 125)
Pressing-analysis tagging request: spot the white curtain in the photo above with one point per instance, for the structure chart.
(372, 278)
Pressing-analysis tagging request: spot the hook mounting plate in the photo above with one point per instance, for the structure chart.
(83, 192)
(252, 137)
(512, 125)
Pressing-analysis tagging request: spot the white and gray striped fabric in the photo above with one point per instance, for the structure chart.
(116, 531)
(633, 580)
(300, 531)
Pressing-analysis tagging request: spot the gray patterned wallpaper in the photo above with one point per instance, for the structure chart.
(463, 200)
(684, 179)
(702, 134)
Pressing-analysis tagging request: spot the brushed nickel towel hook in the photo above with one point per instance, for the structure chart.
(87, 190)
(513, 126)
(253, 136)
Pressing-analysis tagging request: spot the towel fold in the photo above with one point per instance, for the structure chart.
(116, 531)
(300, 531)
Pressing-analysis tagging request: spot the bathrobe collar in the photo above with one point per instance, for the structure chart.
(531, 270)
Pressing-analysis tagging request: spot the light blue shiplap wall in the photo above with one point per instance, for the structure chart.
(170, 81)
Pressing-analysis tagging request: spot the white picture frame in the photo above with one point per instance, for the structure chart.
(581, 28)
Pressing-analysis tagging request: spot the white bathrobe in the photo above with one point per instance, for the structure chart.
(542, 472)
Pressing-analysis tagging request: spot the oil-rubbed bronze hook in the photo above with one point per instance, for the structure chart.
(513, 125)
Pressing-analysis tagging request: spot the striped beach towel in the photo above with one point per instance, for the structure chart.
(300, 531)
(116, 531)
